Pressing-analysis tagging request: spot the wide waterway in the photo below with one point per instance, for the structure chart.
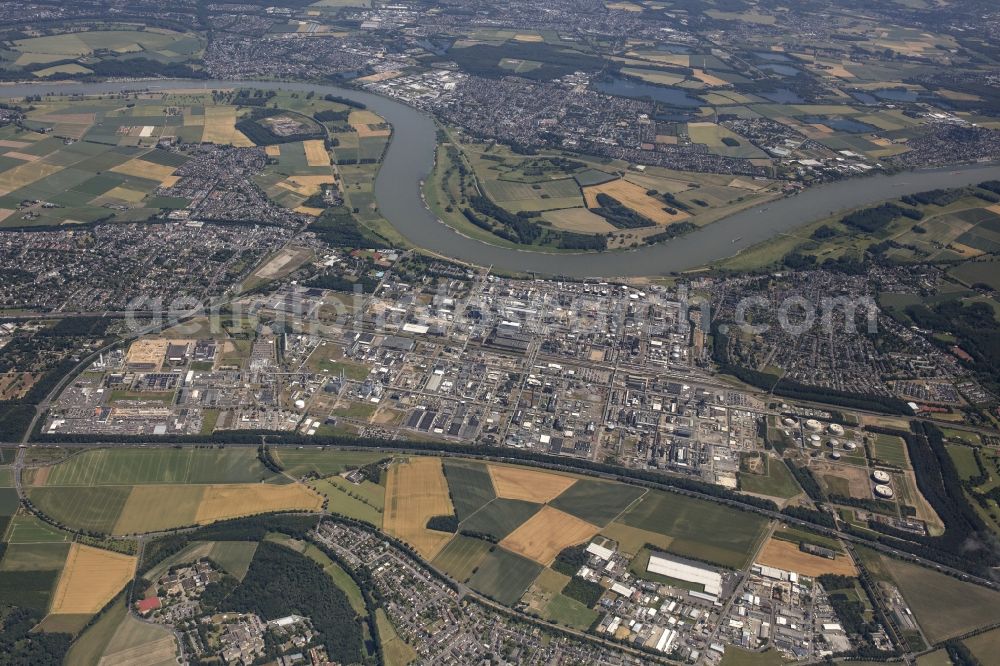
(410, 157)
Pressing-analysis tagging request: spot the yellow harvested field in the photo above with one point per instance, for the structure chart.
(161, 651)
(579, 220)
(379, 76)
(308, 210)
(416, 491)
(634, 197)
(746, 185)
(220, 127)
(140, 168)
(786, 555)
(528, 38)
(665, 58)
(306, 185)
(169, 181)
(221, 502)
(73, 118)
(10, 143)
(5, 213)
(546, 533)
(666, 139)
(125, 194)
(528, 484)
(709, 79)
(316, 155)
(25, 174)
(273, 151)
(24, 157)
(90, 578)
(364, 117)
(624, 6)
(150, 508)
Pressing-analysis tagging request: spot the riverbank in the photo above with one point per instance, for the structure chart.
(410, 158)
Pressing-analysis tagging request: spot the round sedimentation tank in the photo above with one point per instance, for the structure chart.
(880, 476)
(836, 429)
(814, 425)
(883, 490)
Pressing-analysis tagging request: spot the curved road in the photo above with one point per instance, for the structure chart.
(410, 157)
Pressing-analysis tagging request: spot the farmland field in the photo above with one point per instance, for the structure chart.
(570, 612)
(95, 509)
(504, 576)
(221, 502)
(301, 461)
(30, 589)
(34, 557)
(597, 502)
(500, 517)
(985, 646)
(461, 556)
(891, 449)
(90, 579)
(339, 493)
(787, 555)
(927, 592)
(121, 467)
(415, 492)
(25, 528)
(470, 486)
(527, 484)
(700, 529)
(777, 482)
(135, 641)
(546, 534)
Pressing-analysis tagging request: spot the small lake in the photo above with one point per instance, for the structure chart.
(638, 90)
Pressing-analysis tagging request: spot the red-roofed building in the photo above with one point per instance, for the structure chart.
(147, 605)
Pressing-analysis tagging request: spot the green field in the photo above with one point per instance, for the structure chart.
(470, 486)
(928, 592)
(27, 529)
(890, 449)
(500, 517)
(88, 649)
(324, 462)
(30, 589)
(985, 646)
(777, 482)
(700, 529)
(34, 557)
(597, 502)
(504, 576)
(121, 467)
(460, 557)
(570, 612)
(965, 460)
(8, 501)
(339, 577)
(395, 650)
(93, 509)
(363, 502)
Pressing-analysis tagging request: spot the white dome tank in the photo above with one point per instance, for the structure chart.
(850, 446)
(813, 424)
(883, 491)
(881, 476)
(836, 429)
(788, 421)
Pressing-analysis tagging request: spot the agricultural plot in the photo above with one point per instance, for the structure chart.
(634, 197)
(29, 589)
(504, 576)
(927, 592)
(461, 556)
(90, 579)
(527, 484)
(221, 502)
(788, 556)
(93, 509)
(361, 502)
(985, 646)
(597, 502)
(135, 641)
(324, 462)
(152, 508)
(116, 467)
(395, 650)
(500, 517)
(699, 529)
(570, 612)
(416, 491)
(777, 481)
(723, 141)
(469, 485)
(890, 449)
(546, 534)
(25, 528)
(34, 557)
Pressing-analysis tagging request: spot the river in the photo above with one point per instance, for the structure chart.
(410, 157)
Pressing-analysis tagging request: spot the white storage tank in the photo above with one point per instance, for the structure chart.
(814, 425)
(881, 476)
(836, 429)
(883, 490)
